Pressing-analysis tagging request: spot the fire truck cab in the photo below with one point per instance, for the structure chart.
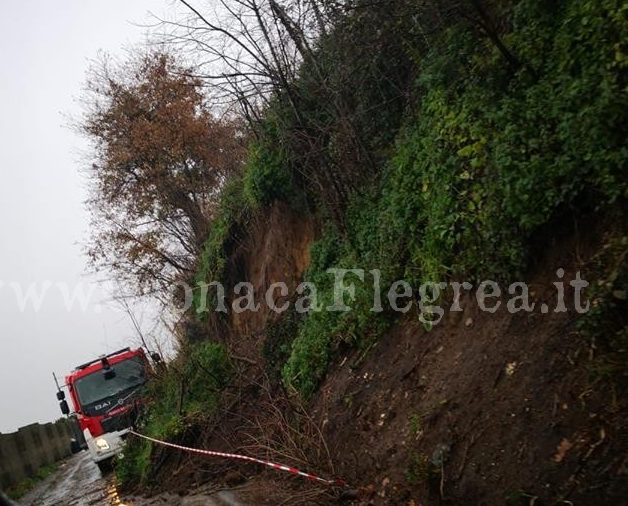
(105, 394)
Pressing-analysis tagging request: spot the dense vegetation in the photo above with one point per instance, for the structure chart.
(486, 158)
(185, 394)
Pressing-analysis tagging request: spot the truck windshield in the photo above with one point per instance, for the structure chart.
(94, 387)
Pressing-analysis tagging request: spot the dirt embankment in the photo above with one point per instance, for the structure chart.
(275, 248)
(485, 408)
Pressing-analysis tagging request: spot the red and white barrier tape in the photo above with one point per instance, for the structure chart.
(280, 467)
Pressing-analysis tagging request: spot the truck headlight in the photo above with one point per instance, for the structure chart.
(102, 444)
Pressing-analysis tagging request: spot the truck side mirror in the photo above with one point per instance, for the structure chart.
(60, 395)
(65, 409)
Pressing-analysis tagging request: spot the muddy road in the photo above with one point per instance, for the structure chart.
(78, 482)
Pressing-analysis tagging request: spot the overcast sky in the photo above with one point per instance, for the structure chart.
(45, 48)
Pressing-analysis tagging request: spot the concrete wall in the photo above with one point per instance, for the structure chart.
(23, 452)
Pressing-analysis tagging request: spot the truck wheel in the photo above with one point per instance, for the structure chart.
(105, 466)
(75, 447)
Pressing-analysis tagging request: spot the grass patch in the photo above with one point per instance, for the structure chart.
(23, 487)
(418, 469)
(415, 424)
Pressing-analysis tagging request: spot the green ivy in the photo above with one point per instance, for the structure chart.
(488, 158)
(267, 177)
(233, 211)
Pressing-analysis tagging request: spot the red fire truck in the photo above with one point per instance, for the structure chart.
(105, 394)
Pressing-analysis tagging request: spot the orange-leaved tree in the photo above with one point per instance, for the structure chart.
(161, 157)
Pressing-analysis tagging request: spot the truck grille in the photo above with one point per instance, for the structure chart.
(118, 422)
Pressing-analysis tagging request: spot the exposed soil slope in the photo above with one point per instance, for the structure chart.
(275, 248)
(484, 409)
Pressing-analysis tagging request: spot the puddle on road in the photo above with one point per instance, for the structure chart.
(78, 482)
(113, 498)
(103, 493)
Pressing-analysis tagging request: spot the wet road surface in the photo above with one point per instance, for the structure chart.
(78, 482)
